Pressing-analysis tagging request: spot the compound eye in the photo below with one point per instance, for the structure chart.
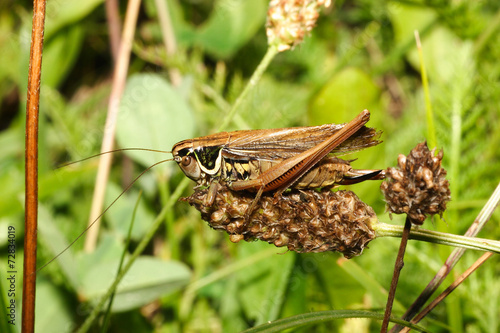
(190, 167)
(186, 160)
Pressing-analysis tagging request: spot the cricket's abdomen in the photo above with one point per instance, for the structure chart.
(327, 172)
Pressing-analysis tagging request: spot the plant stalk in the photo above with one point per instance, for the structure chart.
(471, 243)
(137, 252)
(482, 218)
(119, 78)
(431, 130)
(257, 74)
(449, 290)
(398, 266)
(31, 169)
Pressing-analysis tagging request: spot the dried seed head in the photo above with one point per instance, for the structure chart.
(304, 221)
(288, 21)
(418, 186)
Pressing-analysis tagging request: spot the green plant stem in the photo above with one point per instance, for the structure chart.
(222, 104)
(140, 248)
(107, 316)
(172, 237)
(471, 243)
(320, 317)
(431, 130)
(268, 57)
(190, 293)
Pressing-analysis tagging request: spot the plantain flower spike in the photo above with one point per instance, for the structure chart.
(418, 186)
(303, 221)
(289, 21)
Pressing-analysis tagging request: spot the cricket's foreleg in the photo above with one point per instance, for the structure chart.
(212, 192)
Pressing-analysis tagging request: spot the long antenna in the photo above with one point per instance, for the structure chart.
(114, 151)
(105, 210)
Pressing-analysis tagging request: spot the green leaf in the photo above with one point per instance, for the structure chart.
(441, 43)
(60, 53)
(275, 104)
(56, 242)
(231, 311)
(9, 44)
(231, 25)
(108, 252)
(263, 285)
(348, 93)
(52, 312)
(152, 115)
(408, 18)
(148, 279)
(341, 289)
(378, 293)
(13, 186)
(119, 216)
(62, 13)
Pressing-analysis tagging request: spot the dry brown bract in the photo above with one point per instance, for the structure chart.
(304, 221)
(418, 186)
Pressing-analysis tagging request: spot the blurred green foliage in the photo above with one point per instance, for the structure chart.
(362, 54)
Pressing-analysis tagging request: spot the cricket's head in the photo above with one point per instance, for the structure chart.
(185, 157)
(197, 161)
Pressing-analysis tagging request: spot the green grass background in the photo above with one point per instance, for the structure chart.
(361, 55)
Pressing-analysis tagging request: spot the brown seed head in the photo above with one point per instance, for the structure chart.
(418, 186)
(304, 221)
(288, 21)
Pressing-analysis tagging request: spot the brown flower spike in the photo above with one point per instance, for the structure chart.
(418, 186)
(304, 221)
(289, 21)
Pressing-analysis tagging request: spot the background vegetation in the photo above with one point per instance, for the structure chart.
(362, 54)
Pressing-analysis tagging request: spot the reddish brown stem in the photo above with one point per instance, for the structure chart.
(398, 266)
(483, 217)
(449, 290)
(31, 168)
